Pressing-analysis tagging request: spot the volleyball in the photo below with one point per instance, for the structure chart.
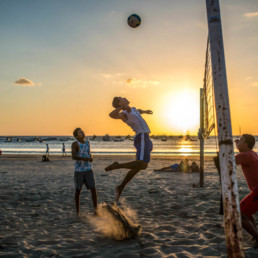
(134, 20)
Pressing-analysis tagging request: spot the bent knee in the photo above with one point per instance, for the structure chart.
(142, 165)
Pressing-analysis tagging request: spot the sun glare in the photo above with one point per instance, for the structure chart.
(181, 110)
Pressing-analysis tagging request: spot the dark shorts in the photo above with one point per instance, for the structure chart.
(249, 205)
(143, 145)
(85, 177)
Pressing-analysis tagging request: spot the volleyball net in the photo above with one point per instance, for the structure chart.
(207, 98)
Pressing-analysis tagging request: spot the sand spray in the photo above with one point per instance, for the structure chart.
(115, 222)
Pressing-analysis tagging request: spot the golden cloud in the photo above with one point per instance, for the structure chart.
(24, 82)
(134, 82)
(251, 15)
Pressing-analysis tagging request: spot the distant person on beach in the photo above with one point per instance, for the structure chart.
(47, 150)
(248, 160)
(83, 172)
(184, 166)
(132, 117)
(194, 167)
(63, 151)
(173, 168)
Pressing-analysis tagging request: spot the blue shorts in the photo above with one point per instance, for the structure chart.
(143, 145)
(175, 166)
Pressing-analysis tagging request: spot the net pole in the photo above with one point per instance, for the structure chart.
(233, 229)
(201, 139)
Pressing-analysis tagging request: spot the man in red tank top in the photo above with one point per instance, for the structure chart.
(248, 160)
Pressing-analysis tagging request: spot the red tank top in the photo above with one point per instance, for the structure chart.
(249, 163)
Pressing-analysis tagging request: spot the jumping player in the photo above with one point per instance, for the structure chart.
(132, 117)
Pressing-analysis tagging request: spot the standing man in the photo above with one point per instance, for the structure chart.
(132, 117)
(63, 150)
(248, 160)
(83, 173)
(47, 150)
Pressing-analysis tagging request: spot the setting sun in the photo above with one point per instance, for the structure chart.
(181, 110)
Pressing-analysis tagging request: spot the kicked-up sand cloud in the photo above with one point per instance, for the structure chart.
(115, 223)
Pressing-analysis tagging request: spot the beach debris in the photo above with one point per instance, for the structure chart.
(114, 223)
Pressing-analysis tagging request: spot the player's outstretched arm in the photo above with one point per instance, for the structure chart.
(149, 112)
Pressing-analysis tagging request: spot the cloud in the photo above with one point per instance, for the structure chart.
(111, 76)
(134, 82)
(254, 84)
(251, 15)
(106, 75)
(24, 82)
(120, 79)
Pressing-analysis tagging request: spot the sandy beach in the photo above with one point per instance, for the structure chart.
(38, 216)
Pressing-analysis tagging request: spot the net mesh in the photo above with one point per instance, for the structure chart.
(208, 96)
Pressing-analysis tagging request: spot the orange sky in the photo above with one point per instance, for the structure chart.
(74, 58)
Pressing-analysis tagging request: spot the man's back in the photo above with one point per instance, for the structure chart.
(249, 163)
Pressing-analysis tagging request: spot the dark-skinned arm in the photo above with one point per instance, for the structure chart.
(149, 112)
(117, 114)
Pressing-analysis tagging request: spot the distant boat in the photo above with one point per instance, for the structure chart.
(8, 139)
(63, 139)
(51, 139)
(129, 137)
(106, 138)
(193, 140)
(93, 138)
(30, 140)
(164, 138)
(118, 139)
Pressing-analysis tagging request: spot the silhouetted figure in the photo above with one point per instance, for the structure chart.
(132, 117)
(63, 151)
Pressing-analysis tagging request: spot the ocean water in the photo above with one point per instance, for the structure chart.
(173, 146)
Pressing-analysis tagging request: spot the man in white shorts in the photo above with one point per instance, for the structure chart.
(132, 117)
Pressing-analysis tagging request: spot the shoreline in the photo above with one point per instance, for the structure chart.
(105, 156)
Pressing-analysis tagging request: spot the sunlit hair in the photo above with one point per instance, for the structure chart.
(250, 140)
(116, 102)
(75, 132)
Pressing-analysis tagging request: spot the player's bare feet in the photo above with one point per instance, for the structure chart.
(112, 166)
(96, 214)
